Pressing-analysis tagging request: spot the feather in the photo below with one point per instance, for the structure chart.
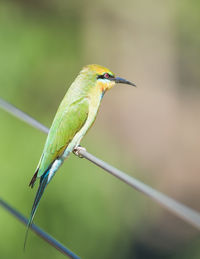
(32, 182)
(42, 186)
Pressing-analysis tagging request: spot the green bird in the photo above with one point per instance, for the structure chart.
(75, 115)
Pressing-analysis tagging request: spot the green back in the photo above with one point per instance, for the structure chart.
(68, 121)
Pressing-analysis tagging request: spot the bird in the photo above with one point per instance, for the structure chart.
(75, 115)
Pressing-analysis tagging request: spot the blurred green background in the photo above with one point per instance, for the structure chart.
(151, 132)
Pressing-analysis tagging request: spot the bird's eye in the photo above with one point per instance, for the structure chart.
(106, 75)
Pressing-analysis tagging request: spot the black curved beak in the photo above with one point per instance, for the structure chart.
(119, 80)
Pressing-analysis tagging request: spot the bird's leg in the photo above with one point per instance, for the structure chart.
(77, 150)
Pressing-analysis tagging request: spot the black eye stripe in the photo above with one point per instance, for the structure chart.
(105, 76)
(100, 77)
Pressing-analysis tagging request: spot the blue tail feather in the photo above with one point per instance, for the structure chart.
(42, 186)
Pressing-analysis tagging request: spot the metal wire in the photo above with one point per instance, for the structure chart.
(49, 239)
(182, 211)
(187, 214)
(22, 116)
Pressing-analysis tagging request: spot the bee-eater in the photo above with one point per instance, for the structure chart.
(75, 115)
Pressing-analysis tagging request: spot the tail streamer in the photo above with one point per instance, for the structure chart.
(42, 186)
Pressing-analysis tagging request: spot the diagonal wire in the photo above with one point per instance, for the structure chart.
(182, 211)
(187, 214)
(22, 116)
(49, 239)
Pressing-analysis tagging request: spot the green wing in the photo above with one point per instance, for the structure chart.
(68, 121)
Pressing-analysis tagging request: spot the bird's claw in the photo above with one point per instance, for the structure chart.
(77, 150)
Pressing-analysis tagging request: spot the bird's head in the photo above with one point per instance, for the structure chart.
(103, 77)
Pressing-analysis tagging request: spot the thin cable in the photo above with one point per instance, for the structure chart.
(189, 215)
(22, 116)
(46, 237)
(182, 211)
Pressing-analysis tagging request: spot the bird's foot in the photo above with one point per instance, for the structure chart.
(77, 150)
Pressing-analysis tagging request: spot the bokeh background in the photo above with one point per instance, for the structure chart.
(151, 132)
